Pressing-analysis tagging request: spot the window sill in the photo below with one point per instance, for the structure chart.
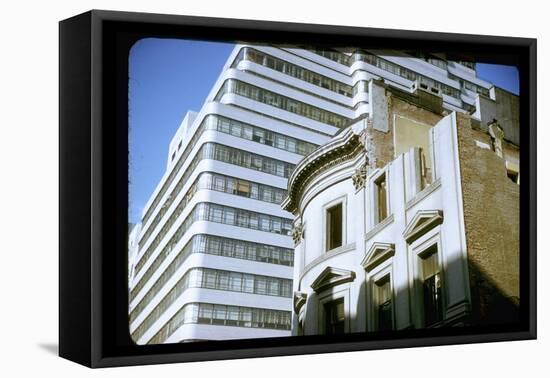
(327, 255)
(423, 194)
(379, 227)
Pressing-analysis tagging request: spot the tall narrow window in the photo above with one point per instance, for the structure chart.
(431, 288)
(381, 198)
(334, 227)
(334, 317)
(384, 304)
(425, 169)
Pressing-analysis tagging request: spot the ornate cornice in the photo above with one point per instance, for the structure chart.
(344, 147)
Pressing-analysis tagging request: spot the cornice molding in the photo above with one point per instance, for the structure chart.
(331, 277)
(327, 255)
(342, 148)
(379, 227)
(377, 254)
(422, 222)
(423, 194)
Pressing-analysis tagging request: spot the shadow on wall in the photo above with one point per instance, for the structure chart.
(490, 306)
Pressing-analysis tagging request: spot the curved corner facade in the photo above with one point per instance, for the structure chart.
(407, 219)
(213, 256)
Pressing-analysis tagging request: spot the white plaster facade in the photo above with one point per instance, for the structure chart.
(417, 220)
(294, 107)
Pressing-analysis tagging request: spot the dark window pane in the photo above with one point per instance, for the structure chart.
(334, 227)
(334, 317)
(433, 309)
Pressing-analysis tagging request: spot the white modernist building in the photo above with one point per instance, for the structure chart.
(215, 255)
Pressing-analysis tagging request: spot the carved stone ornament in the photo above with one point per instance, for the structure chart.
(298, 301)
(363, 136)
(297, 233)
(360, 177)
(497, 134)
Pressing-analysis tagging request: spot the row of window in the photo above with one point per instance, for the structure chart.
(213, 245)
(470, 65)
(259, 135)
(408, 74)
(282, 102)
(221, 153)
(217, 280)
(335, 316)
(205, 313)
(332, 55)
(240, 249)
(220, 214)
(243, 218)
(240, 187)
(159, 283)
(220, 183)
(382, 310)
(334, 215)
(438, 62)
(173, 217)
(293, 70)
(470, 86)
(405, 73)
(345, 60)
(171, 176)
(247, 159)
(228, 126)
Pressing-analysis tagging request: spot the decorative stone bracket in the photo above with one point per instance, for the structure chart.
(298, 301)
(359, 178)
(297, 233)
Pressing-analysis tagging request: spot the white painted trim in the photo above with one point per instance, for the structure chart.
(330, 295)
(416, 249)
(371, 278)
(340, 200)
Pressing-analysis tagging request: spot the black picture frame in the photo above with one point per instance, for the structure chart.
(93, 111)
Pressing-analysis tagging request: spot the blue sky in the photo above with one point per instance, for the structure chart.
(505, 77)
(168, 77)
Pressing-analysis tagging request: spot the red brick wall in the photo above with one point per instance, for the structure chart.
(491, 218)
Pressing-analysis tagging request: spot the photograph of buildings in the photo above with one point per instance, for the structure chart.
(289, 191)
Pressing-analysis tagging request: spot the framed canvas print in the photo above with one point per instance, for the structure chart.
(234, 188)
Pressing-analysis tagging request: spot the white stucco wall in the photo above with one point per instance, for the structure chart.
(405, 202)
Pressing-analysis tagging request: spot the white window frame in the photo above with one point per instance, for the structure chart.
(417, 248)
(340, 200)
(375, 275)
(332, 294)
(373, 197)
